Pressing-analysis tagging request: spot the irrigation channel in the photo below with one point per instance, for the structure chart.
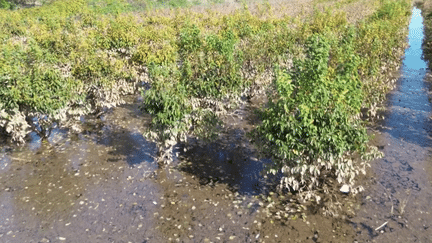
(103, 184)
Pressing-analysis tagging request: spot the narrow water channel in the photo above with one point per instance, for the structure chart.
(399, 193)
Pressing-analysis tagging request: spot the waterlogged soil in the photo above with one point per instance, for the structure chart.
(104, 185)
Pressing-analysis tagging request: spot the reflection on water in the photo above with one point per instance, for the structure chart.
(76, 189)
(413, 55)
(34, 142)
(228, 163)
(4, 162)
(410, 106)
(104, 185)
(133, 148)
(57, 135)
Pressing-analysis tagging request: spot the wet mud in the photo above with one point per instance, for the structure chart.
(104, 185)
(80, 188)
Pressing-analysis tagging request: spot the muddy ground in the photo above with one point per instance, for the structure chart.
(104, 186)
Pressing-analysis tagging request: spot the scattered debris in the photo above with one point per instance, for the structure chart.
(345, 188)
(381, 226)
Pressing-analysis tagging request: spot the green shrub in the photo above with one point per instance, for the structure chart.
(392, 10)
(29, 80)
(5, 4)
(121, 32)
(158, 53)
(328, 20)
(427, 21)
(307, 125)
(167, 101)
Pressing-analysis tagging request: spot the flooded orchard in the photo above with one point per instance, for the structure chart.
(104, 184)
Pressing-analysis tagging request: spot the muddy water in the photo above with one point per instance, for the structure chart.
(103, 185)
(399, 193)
(89, 187)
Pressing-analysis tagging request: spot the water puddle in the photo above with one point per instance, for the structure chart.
(398, 195)
(90, 187)
(104, 185)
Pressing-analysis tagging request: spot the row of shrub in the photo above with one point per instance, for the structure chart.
(60, 59)
(311, 125)
(65, 52)
(74, 57)
(426, 7)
